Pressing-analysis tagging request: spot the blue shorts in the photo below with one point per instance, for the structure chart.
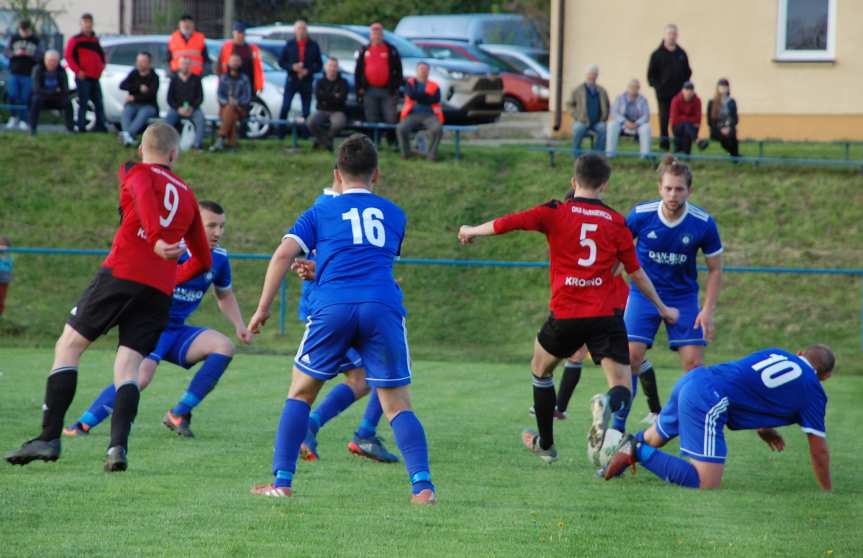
(697, 413)
(174, 344)
(375, 331)
(643, 320)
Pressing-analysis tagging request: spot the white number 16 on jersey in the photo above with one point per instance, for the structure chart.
(370, 224)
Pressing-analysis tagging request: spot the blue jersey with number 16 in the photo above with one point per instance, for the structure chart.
(357, 238)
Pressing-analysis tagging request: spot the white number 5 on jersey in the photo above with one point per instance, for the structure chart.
(371, 224)
(589, 243)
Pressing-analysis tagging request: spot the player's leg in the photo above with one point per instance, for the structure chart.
(411, 440)
(683, 337)
(336, 401)
(126, 400)
(642, 322)
(691, 356)
(608, 346)
(366, 442)
(542, 366)
(571, 377)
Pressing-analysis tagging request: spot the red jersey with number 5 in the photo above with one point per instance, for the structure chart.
(156, 205)
(586, 239)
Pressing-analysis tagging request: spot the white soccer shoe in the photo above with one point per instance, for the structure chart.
(12, 123)
(601, 417)
(23, 126)
(651, 418)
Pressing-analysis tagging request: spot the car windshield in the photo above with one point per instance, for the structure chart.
(541, 58)
(519, 65)
(495, 61)
(519, 32)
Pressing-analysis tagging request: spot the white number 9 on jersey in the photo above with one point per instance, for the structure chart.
(371, 224)
(172, 203)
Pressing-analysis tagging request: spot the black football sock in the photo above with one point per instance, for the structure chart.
(647, 377)
(619, 399)
(543, 407)
(59, 393)
(571, 377)
(125, 410)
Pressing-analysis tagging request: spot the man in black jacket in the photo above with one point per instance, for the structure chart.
(185, 95)
(378, 77)
(331, 94)
(142, 85)
(667, 71)
(301, 58)
(50, 90)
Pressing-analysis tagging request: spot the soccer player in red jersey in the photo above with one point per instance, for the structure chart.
(587, 240)
(132, 291)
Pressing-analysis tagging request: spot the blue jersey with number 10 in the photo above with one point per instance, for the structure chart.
(356, 237)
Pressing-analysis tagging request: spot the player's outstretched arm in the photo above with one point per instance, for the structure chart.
(704, 320)
(820, 460)
(279, 265)
(772, 438)
(645, 285)
(230, 307)
(466, 233)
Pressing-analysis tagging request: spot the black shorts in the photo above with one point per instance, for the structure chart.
(139, 311)
(605, 337)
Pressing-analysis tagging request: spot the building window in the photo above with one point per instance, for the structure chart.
(806, 31)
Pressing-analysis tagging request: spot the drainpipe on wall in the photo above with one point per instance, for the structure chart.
(558, 86)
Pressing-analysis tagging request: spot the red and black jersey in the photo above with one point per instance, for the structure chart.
(156, 205)
(84, 54)
(586, 240)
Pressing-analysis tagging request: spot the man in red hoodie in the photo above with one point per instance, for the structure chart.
(85, 57)
(685, 118)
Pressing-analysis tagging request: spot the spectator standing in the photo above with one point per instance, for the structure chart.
(23, 53)
(589, 104)
(331, 94)
(378, 76)
(250, 57)
(235, 94)
(50, 91)
(142, 85)
(722, 118)
(301, 59)
(422, 110)
(5, 271)
(185, 96)
(185, 42)
(630, 116)
(85, 57)
(667, 71)
(685, 119)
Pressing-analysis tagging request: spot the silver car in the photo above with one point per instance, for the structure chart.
(120, 53)
(471, 92)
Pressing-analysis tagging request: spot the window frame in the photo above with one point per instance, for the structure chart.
(783, 54)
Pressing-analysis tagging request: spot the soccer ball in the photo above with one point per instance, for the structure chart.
(600, 456)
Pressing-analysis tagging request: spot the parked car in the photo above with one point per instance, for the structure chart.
(521, 92)
(474, 29)
(4, 76)
(470, 92)
(120, 53)
(532, 62)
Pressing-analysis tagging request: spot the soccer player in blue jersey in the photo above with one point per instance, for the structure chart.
(760, 392)
(669, 233)
(186, 345)
(365, 442)
(357, 304)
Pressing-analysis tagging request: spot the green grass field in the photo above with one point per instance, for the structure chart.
(190, 497)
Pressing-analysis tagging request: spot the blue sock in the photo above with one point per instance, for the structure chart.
(337, 400)
(202, 383)
(292, 429)
(369, 423)
(411, 440)
(100, 409)
(668, 467)
(619, 418)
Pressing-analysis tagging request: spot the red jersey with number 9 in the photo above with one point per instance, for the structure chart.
(586, 240)
(156, 205)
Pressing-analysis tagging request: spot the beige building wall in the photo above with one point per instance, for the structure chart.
(734, 39)
(106, 15)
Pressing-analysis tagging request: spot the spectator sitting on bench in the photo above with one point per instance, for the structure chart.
(331, 94)
(630, 116)
(422, 110)
(50, 91)
(185, 95)
(142, 85)
(685, 119)
(589, 104)
(722, 118)
(235, 94)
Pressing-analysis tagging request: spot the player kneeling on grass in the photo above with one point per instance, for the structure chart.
(587, 239)
(357, 304)
(186, 345)
(132, 291)
(760, 392)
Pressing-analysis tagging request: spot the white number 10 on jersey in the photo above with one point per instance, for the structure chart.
(370, 224)
(777, 370)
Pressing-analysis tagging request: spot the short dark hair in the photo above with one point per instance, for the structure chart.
(592, 170)
(212, 207)
(187, 17)
(675, 167)
(821, 357)
(87, 15)
(146, 53)
(24, 24)
(357, 157)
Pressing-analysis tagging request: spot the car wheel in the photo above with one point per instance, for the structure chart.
(511, 104)
(258, 125)
(89, 115)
